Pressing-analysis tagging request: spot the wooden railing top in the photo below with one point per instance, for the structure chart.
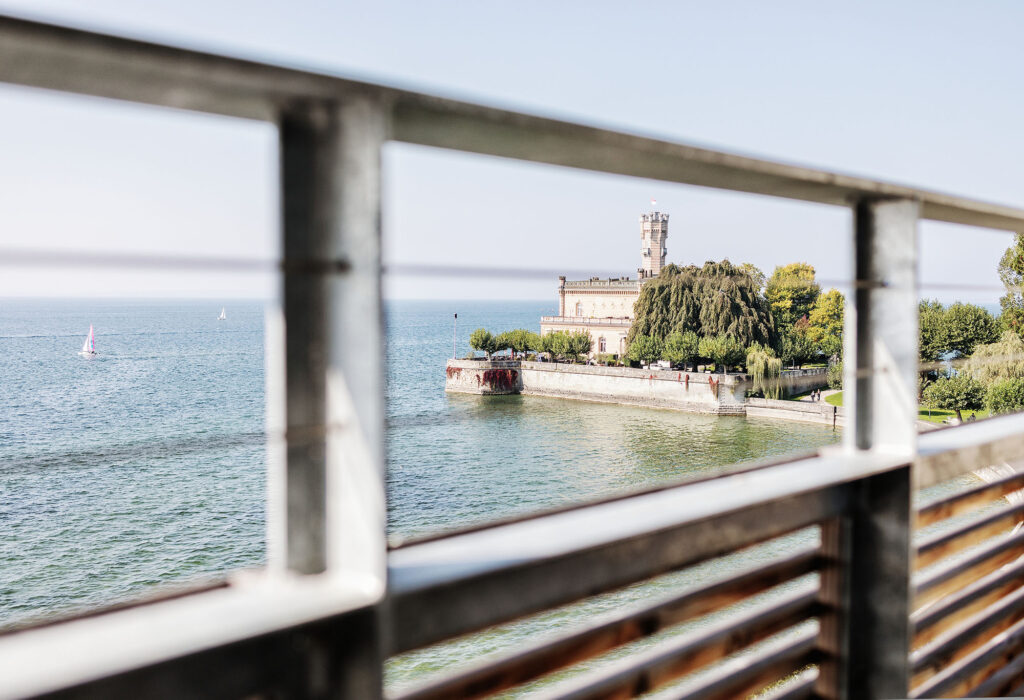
(90, 63)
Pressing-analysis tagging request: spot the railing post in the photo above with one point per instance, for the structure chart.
(329, 487)
(866, 581)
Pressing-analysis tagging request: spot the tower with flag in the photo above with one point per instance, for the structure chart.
(653, 235)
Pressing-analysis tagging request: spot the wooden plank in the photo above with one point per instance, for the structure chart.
(526, 665)
(675, 657)
(976, 531)
(1000, 683)
(799, 688)
(966, 501)
(959, 573)
(972, 634)
(748, 675)
(976, 594)
(960, 678)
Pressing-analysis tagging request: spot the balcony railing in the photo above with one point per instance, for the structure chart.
(862, 608)
(588, 321)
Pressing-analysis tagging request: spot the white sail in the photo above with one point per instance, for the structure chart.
(223, 316)
(89, 347)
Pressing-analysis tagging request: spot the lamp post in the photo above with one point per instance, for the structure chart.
(455, 334)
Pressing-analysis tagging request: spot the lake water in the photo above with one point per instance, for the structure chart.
(145, 465)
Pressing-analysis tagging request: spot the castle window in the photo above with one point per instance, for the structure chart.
(601, 346)
(579, 308)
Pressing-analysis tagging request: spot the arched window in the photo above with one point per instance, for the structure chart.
(579, 308)
(601, 346)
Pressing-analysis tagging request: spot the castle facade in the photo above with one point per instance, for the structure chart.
(603, 307)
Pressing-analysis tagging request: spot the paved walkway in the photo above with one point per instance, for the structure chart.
(824, 394)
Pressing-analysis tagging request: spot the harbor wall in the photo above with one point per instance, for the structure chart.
(805, 411)
(486, 377)
(697, 392)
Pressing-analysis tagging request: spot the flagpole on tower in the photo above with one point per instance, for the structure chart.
(455, 334)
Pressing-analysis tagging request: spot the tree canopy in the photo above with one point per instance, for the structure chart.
(645, 349)
(956, 393)
(682, 347)
(717, 298)
(1011, 272)
(825, 323)
(791, 292)
(1003, 359)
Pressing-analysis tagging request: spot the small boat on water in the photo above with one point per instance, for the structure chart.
(223, 316)
(89, 347)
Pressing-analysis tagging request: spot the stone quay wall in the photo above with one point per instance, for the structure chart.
(806, 411)
(697, 392)
(490, 377)
(685, 391)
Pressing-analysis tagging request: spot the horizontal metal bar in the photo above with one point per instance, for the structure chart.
(675, 657)
(948, 453)
(938, 653)
(952, 607)
(964, 501)
(119, 642)
(745, 676)
(957, 680)
(451, 586)
(943, 544)
(89, 63)
(526, 665)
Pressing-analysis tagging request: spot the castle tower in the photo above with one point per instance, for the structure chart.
(653, 232)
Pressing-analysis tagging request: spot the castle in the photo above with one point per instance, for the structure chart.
(604, 307)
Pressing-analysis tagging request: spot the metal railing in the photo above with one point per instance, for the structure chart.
(587, 321)
(853, 619)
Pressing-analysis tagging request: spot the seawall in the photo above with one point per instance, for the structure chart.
(696, 392)
(805, 411)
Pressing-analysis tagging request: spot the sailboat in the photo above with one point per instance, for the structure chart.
(223, 316)
(89, 347)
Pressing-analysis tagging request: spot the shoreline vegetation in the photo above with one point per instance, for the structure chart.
(720, 316)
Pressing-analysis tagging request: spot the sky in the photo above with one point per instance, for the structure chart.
(919, 93)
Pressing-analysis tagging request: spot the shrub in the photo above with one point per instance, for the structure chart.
(1006, 396)
(835, 375)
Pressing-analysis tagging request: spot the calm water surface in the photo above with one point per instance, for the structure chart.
(145, 465)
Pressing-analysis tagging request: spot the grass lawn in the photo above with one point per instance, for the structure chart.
(933, 415)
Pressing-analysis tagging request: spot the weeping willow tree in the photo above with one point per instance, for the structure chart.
(1003, 359)
(765, 370)
(718, 298)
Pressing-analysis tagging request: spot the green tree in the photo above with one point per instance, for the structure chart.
(795, 344)
(791, 292)
(533, 342)
(557, 343)
(723, 350)
(957, 393)
(765, 371)
(645, 349)
(503, 341)
(682, 348)
(716, 298)
(1003, 359)
(825, 323)
(1011, 272)
(579, 343)
(1005, 396)
(931, 320)
(482, 340)
(966, 326)
(756, 274)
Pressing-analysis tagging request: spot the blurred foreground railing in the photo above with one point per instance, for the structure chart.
(860, 607)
